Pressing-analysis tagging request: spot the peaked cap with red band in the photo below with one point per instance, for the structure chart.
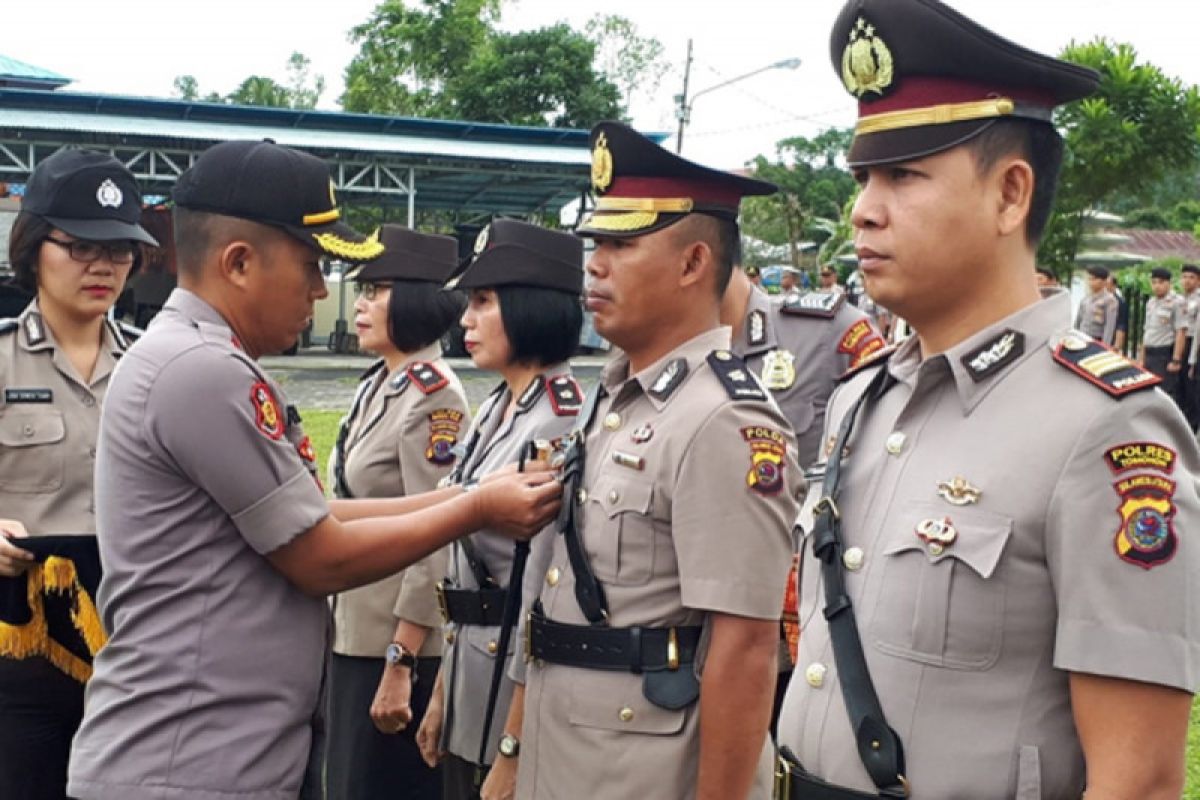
(928, 78)
(641, 187)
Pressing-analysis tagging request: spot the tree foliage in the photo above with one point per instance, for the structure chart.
(1140, 126)
(302, 89)
(635, 64)
(813, 189)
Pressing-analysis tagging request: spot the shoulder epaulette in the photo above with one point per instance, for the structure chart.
(426, 377)
(874, 359)
(813, 304)
(566, 395)
(1108, 369)
(735, 377)
(8, 326)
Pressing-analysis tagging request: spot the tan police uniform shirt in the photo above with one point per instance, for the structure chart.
(1071, 510)
(799, 349)
(545, 410)
(1164, 316)
(211, 678)
(702, 526)
(402, 429)
(1097, 316)
(49, 422)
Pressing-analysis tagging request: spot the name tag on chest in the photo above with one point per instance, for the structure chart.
(28, 395)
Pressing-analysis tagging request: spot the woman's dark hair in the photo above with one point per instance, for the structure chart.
(420, 312)
(542, 324)
(25, 244)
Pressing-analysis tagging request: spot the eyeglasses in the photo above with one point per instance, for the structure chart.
(369, 290)
(120, 253)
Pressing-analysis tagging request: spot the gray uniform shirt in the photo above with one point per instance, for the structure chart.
(1062, 561)
(402, 431)
(799, 354)
(1164, 316)
(703, 525)
(471, 652)
(49, 421)
(212, 673)
(1097, 316)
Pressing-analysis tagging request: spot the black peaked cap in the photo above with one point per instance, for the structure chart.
(511, 252)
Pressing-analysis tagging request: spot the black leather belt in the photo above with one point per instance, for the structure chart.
(793, 782)
(635, 649)
(472, 606)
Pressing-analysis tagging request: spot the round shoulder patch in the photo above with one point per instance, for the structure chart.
(267, 416)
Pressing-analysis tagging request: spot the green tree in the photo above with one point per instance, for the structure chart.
(1139, 126)
(813, 186)
(633, 63)
(259, 90)
(302, 89)
(186, 87)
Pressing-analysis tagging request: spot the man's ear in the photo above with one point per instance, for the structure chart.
(1014, 181)
(235, 259)
(697, 262)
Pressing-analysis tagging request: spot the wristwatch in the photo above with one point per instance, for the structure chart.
(510, 746)
(397, 655)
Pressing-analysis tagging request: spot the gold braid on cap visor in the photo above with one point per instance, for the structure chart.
(935, 115)
(335, 245)
(635, 213)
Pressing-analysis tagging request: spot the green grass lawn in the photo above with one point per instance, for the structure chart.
(322, 427)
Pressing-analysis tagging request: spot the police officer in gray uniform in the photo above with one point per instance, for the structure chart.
(1164, 334)
(1097, 316)
(998, 590)
(218, 544)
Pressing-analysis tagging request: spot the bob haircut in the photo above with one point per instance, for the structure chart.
(25, 246)
(542, 324)
(420, 313)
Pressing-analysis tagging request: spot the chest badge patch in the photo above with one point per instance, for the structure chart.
(958, 492)
(1146, 537)
(444, 424)
(779, 370)
(937, 534)
(768, 448)
(267, 416)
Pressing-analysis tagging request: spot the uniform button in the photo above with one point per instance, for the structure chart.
(612, 421)
(27, 430)
(625, 714)
(614, 496)
(895, 443)
(449, 637)
(581, 496)
(552, 576)
(853, 559)
(936, 549)
(814, 673)
(89, 401)
(492, 647)
(92, 452)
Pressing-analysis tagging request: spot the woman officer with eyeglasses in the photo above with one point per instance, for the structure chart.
(74, 243)
(399, 438)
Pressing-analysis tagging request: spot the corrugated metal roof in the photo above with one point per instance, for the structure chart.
(12, 68)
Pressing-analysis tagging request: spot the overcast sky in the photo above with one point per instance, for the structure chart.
(138, 47)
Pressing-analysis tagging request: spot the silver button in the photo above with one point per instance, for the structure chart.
(814, 674)
(853, 559)
(614, 496)
(582, 496)
(895, 443)
(89, 401)
(27, 430)
(936, 549)
(612, 421)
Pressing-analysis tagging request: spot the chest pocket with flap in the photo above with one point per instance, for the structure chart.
(947, 609)
(32, 450)
(619, 531)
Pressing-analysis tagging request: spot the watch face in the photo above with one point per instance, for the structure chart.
(509, 745)
(393, 653)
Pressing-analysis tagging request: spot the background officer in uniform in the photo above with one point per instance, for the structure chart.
(1164, 331)
(398, 438)
(1024, 594)
(74, 243)
(1097, 316)
(218, 544)
(1189, 281)
(683, 508)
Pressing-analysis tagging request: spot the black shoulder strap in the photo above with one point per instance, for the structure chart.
(588, 591)
(879, 746)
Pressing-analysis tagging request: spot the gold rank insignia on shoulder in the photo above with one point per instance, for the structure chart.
(602, 165)
(867, 64)
(1100, 366)
(779, 370)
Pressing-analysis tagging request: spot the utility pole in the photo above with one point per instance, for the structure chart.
(682, 110)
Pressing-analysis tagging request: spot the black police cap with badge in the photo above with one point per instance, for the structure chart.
(642, 188)
(87, 195)
(272, 185)
(411, 256)
(511, 252)
(928, 79)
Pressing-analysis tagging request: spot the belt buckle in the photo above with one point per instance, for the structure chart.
(672, 650)
(441, 600)
(783, 779)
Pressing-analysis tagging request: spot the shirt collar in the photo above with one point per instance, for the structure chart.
(616, 377)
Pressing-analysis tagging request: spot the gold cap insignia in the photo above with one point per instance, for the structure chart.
(867, 64)
(602, 164)
(482, 239)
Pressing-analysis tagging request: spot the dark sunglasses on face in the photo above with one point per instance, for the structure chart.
(121, 253)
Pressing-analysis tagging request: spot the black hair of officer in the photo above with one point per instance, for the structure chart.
(1162, 273)
(416, 266)
(1098, 272)
(537, 275)
(1192, 268)
(929, 79)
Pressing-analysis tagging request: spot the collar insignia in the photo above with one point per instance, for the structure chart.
(756, 327)
(867, 64)
(108, 195)
(35, 332)
(994, 354)
(602, 165)
(669, 379)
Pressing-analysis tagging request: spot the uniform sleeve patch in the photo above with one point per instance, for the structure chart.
(876, 356)
(566, 395)
(860, 341)
(1146, 536)
(1140, 455)
(768, 448)
(1107, 369)
(735, 377)
(427, 378)
(268, 418)
(444, 425)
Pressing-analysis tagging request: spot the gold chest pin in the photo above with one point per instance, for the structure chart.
(779, 370)
(958, 492)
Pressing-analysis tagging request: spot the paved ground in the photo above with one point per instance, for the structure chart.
(316, 378)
